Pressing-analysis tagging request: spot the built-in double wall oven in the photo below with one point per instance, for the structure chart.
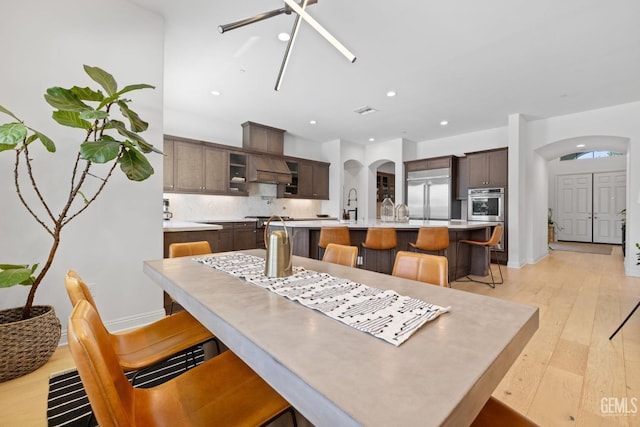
(487, 204)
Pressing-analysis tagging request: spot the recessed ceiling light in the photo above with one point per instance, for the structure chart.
(391, 93)
(284, 37)
(313, 122)
(444, 123)
(371, 139)
(215, 92)
(580, 146)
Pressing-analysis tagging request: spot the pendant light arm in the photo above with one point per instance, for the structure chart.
(320, 29)
(292, 40)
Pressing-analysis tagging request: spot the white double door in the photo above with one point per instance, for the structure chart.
(588, 207)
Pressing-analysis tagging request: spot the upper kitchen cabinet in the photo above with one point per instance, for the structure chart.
(309, 180)
(167, 165)
(488, 168)
(237, 174)
(262, 138)
(428, 164)
(197, 167)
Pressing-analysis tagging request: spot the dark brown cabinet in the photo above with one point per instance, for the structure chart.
(167, 165)
(309, 180)
(488, 169)
(200, 167)
(195, 168)
(462, 181)
(262, 138)
(237, 236)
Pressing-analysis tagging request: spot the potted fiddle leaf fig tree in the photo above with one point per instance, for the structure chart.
(106, 141)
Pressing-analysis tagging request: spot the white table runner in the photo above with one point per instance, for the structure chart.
(384, 314)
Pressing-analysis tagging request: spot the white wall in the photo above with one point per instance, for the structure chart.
(45, 44)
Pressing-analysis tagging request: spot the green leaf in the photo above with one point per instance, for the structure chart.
(64, 99)
(46, 141)
(12, 133)
(122, 130)
(4, 110)
(87, 94)
(94, 115)
(130, 88)
(100, 151)
(135, 165)
(137, 124)
(11, 275)
(71, 119)
(103, 78)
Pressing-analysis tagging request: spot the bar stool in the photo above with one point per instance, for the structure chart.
(492, 245)
(339, 235)
(381, 239)
(432, 239)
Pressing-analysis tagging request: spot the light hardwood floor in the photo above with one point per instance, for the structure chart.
(566, 373)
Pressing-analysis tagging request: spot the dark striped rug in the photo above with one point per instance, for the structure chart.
(68, 404)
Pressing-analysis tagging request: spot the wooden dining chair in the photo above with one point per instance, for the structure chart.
(491, 245)
(189, 249)
(222, 391)
(433, 269)
(341, 254)
(150, 344)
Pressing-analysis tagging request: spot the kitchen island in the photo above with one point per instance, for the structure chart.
(473, 260)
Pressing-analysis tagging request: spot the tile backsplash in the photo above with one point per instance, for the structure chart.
(261, 201)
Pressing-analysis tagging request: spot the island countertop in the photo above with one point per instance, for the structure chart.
(454, 224)
(174, 226)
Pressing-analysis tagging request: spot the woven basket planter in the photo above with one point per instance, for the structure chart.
(27, 344)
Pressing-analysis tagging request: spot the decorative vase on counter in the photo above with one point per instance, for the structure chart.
(387, 210)
(402, 213)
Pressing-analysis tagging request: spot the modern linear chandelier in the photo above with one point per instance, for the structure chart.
(300, 11)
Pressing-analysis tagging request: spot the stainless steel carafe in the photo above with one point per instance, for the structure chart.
(278, 261)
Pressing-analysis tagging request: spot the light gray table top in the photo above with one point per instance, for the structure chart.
(336, 375)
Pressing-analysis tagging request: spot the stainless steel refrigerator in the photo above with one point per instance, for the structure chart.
(429, 194)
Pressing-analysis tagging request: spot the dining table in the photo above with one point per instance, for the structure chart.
(335, 374)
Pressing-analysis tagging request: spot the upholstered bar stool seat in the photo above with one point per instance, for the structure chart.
(339, 235)
(491, 245)
(432, 239)
(426, 268)
(381, 239)
(341, 254)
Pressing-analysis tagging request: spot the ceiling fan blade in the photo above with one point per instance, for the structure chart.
(260, 17)
(320, 29)
(292, 40)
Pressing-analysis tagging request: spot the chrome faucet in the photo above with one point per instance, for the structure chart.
(355, 199)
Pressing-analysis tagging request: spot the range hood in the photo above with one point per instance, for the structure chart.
(269, 170)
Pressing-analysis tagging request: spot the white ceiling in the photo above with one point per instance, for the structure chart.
(469, 62)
